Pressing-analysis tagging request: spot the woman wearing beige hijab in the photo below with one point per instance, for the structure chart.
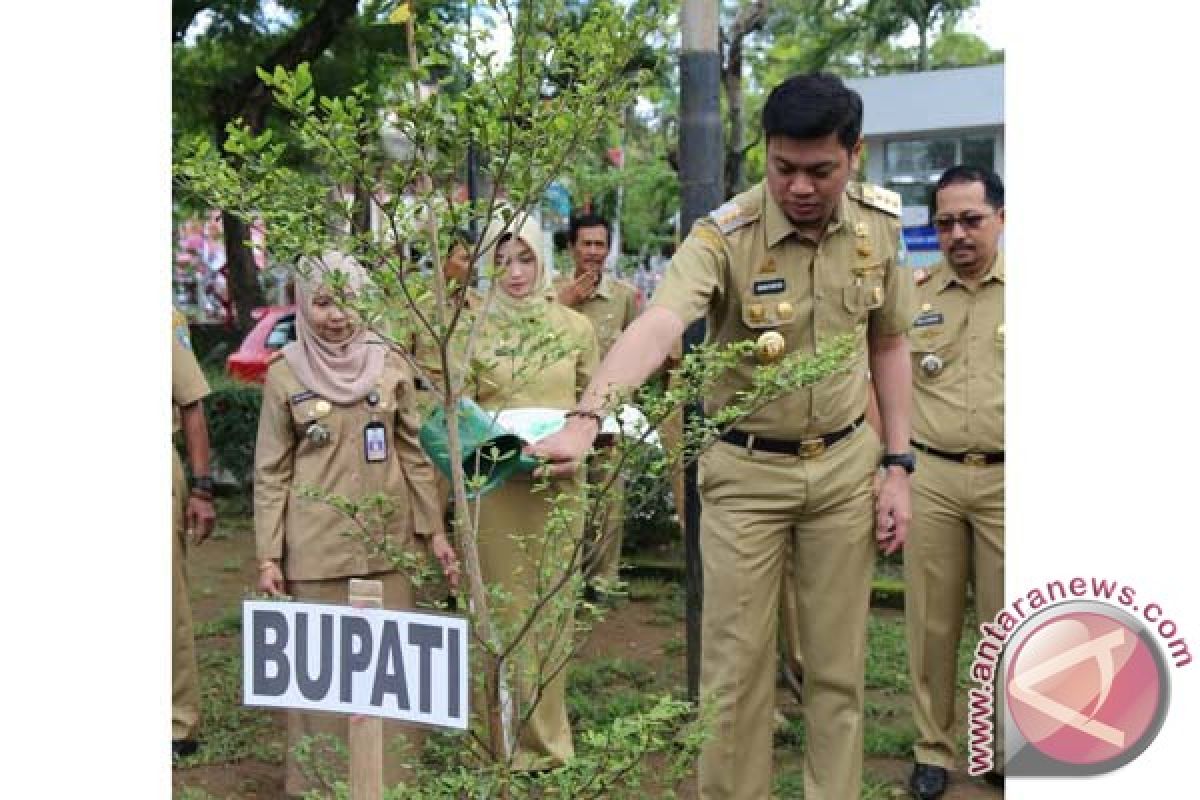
(515, 551)
(338, 416)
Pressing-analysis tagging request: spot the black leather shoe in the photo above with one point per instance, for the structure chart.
(182, 748)
(993, 778)
(928, 782)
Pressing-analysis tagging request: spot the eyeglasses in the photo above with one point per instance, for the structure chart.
(970, 220)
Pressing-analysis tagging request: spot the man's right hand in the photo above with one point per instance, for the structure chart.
(578, 290)
(564, 451)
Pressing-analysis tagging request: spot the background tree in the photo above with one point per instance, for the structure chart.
(886, 19)
(217, 46)
(750, 18)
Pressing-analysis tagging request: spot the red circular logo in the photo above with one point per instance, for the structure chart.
(1084, 687)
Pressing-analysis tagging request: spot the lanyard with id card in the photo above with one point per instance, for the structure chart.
(375, 442)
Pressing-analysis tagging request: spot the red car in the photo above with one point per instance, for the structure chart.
(276, 327)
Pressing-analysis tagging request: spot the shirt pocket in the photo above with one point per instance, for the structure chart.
(866, 290)
(935, 351)
(311, 426)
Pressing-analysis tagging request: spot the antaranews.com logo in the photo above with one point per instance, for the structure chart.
(1079, 669)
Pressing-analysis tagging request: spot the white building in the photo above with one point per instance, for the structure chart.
(918, 124)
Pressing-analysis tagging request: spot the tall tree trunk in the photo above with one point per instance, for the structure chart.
(735, 156)
(923, 45)
(750, 18)
(244, 289)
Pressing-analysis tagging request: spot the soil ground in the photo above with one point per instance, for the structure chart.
(242, 753)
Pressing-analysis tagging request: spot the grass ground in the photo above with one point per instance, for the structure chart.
(636, 652)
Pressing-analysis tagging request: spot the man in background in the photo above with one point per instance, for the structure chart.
(958, 428)
(611, 305)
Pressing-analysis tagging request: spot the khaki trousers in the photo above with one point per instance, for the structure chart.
(608, 526)
(754, 505)
(185, 677)
(526, 563)
(326, 766)
(957, 530)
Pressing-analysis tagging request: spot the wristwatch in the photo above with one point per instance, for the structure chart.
(203, 483)
(906, 460)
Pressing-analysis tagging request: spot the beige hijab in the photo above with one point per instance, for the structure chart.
(530, 233)
(344, 372)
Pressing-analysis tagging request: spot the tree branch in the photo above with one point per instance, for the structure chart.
(249, 98)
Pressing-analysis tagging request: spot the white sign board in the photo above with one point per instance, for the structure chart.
(406, 665)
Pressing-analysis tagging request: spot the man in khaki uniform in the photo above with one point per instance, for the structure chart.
(958, 426)
(611, 306)
(192, 516)
(802, 257)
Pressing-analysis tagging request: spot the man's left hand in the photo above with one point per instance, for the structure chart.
(893, 510)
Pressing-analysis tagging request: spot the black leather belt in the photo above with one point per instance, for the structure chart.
(970, 459)
(805, 448)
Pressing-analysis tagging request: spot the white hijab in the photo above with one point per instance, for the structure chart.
(530, 232)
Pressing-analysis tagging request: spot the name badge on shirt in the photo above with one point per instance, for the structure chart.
(773, 286)
(375, 442)
(929, 318)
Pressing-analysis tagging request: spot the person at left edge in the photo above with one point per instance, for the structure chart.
(192, 516)
(339, 416)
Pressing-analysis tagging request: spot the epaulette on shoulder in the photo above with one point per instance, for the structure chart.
(729, 217)
(877, 197)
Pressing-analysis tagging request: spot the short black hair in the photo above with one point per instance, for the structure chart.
(812, 107)
(588, 220)
(993, 187)
(461, 237)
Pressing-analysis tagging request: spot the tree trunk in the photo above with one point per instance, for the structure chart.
(735, 155)
(247, 100)
(923, 45)
(750, 18)
(244, 289)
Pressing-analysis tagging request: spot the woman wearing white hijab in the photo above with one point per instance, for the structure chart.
(514, 551)
(338, 416)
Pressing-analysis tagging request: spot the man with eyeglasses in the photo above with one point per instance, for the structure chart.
(957, 346)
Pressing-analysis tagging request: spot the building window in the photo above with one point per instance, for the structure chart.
(912, 167)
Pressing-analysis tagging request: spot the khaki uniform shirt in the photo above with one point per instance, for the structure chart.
(307, 534)
(423, 348)
(611, 309)
(958, 361)
(747, 270)
(512, 382)
(187, 381)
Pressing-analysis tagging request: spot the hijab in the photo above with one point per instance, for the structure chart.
(530, 232)
(342, 372)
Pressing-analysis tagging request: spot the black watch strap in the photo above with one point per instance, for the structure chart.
(203, 483)
(906, 460)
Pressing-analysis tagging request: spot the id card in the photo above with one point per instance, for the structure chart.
(375, 442)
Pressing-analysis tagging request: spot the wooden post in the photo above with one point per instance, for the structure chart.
(366, 732)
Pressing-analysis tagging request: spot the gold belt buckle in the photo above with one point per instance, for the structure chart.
(811, 448)
(975, 460)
